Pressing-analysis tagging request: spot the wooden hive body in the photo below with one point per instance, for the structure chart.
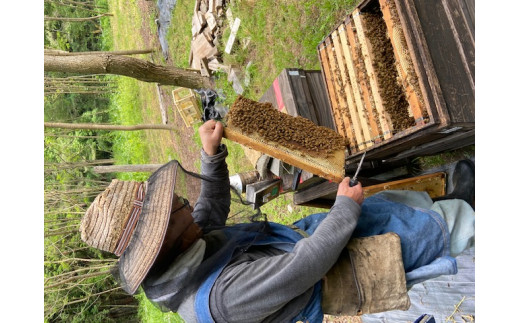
(433, 51)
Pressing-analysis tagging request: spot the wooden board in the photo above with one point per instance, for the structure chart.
(368, 56)
(332, 168)
(347, 86)
(319, 98)
(348, 46)
(458, 83)
(404, 69)
(340, 126)
(323, 194)
(350, 85)
(433, 184)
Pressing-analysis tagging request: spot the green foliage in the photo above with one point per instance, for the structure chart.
(149, 313)
(71, 36)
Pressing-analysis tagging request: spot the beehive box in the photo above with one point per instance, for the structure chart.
(400, 74)
(187, 105)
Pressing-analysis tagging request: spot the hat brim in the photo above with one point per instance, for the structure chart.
(148, 237)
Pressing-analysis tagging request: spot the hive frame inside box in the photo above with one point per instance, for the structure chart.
(187, 105)
(448, 98)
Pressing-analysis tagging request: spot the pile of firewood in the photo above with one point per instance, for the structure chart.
(206, 30)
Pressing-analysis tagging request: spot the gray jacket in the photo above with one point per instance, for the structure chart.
(266, 284)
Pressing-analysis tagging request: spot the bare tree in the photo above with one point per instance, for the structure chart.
(47, 18)
(92, 126)
(126, 66)
(126, 168)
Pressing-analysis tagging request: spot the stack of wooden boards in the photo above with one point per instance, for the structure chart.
(206, 32)
(433, 52)
(302, 93)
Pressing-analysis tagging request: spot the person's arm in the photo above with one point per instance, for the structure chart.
(212, 207)
(252, 290)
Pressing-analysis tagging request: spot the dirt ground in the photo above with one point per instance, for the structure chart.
(177, 139)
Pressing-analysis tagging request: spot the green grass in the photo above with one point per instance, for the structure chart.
(179, 34)
(282, 210)
(282, 34)
(128, 146)
(149, 313)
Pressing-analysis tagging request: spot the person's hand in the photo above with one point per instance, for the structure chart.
(355, 192)
(211, 135)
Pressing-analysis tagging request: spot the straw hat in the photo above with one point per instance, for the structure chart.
(130, 220)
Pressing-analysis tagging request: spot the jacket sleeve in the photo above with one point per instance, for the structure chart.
(212, 207)
(252, 290)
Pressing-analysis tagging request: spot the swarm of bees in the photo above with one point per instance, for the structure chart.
(294, 133)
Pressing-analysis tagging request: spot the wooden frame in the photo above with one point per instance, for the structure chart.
(443, 84)
(187, 105)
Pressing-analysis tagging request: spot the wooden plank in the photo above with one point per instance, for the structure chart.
(358, 138)
(433, 184)
(403, 66)
(204, 68)
(468, 7)
(212, 22)
(231, 39)
(269, 96)
(314, 192)
(435, 146)
(202, 48)
(331, 168)
(319, 98)
(450, 67)
(422, 61)
(286, 94)
(463, 36)
(348, 38)
(350, 84)
(384, 117)
(297, 91)
(308, 96)
(340, 126)
(202, 19)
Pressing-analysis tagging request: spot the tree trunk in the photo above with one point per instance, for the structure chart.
(57, 52)
(126, 66)
(126, 168)
(76, 19)
(92, 126)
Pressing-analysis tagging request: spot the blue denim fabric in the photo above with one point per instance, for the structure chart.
(424, 236)
(425, 244)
